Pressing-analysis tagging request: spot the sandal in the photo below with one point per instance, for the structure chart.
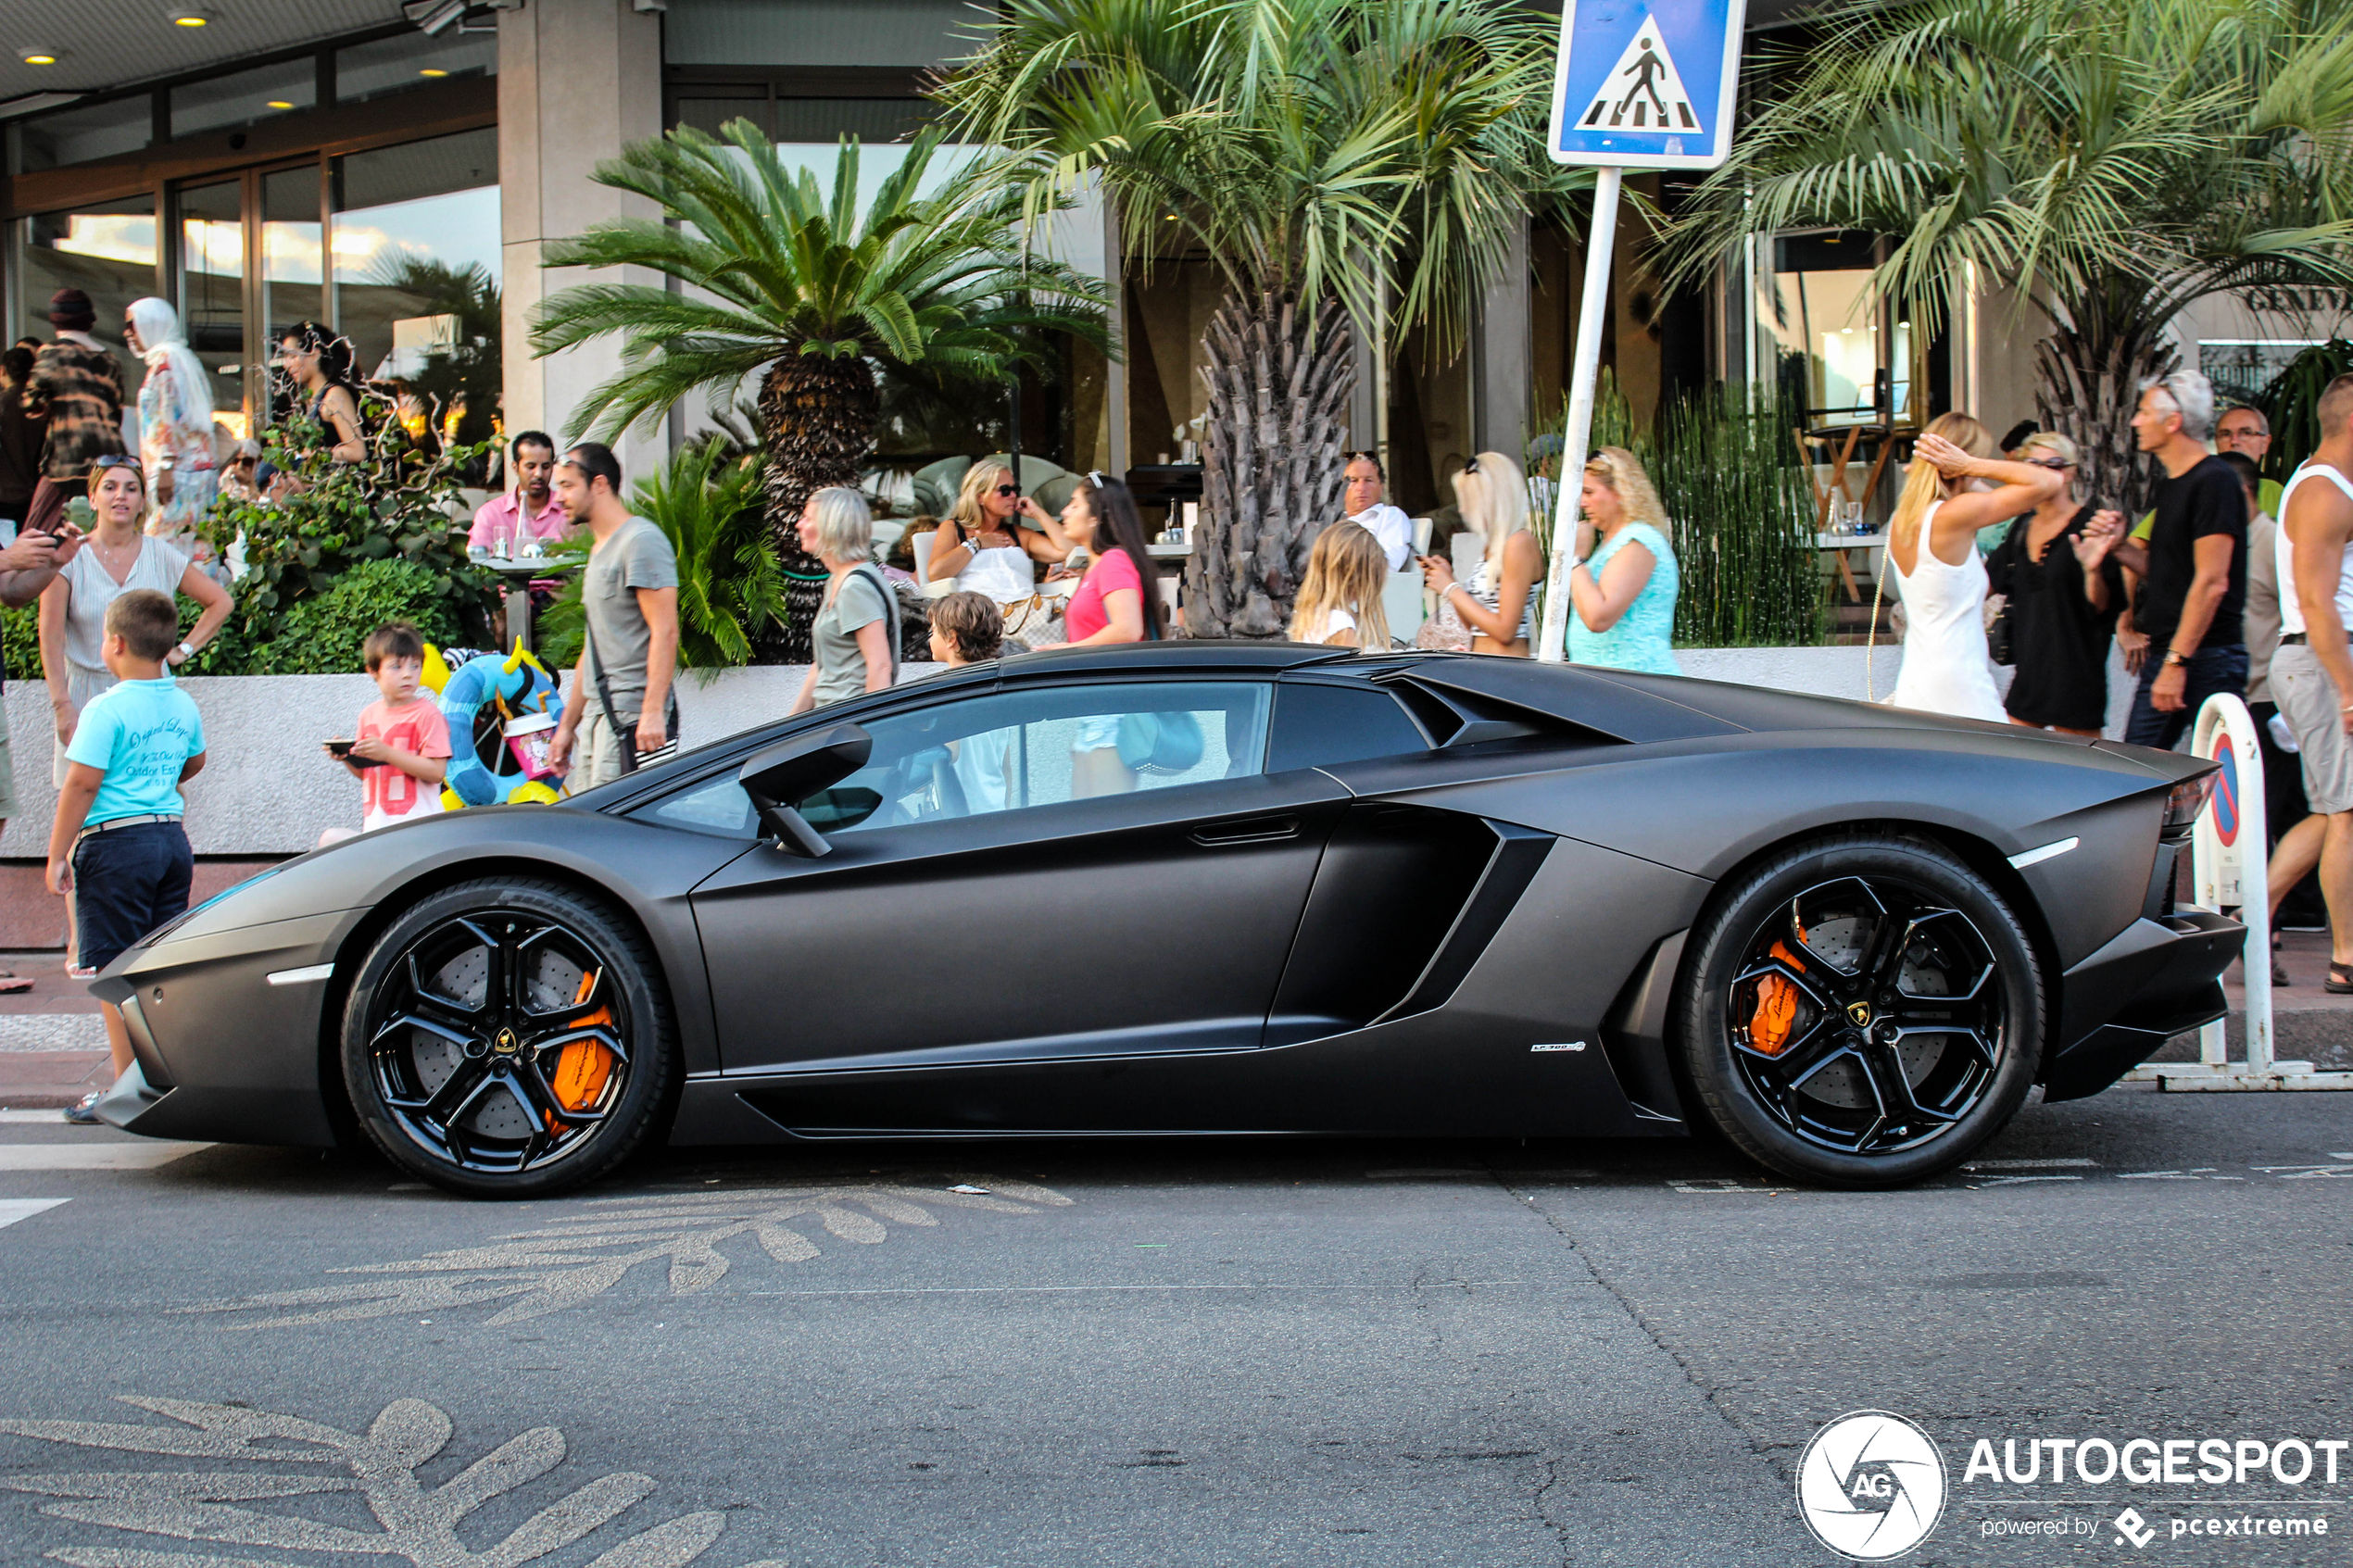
(2279, 973)
(2340, 980)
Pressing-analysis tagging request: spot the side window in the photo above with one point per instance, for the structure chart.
(1017, 750)
(1317, 725)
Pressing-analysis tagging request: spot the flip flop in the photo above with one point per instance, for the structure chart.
(2340, 980)
(12, 985)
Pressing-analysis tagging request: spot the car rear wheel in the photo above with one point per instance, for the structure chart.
(1859, 1012)
(508, 1039)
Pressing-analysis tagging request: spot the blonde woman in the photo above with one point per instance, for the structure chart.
(855, 635)
(982, 545)
(1497, 604)
(1339, 605)
(1931, 552)
(1623, 590)
(2063, 591)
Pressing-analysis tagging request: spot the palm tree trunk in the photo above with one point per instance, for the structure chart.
(2087, 381)
(1278, 390)
(817, 420)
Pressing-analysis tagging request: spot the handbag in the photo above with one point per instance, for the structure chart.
(1166, 743)
(1444, 631)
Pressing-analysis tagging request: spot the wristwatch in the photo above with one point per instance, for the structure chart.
(2174, 656)
(184, 651)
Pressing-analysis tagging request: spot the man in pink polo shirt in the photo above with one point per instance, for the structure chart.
(528, 511)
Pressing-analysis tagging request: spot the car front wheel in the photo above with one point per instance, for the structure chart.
(508, 1039)
(1859, 1012)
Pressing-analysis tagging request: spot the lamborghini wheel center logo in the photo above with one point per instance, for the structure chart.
(1860, 1012)
(1870, 1484)
(506, 1044)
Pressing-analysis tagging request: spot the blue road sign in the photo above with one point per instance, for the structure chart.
(1646, 83)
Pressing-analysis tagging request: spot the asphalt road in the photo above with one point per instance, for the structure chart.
(1131, 1353)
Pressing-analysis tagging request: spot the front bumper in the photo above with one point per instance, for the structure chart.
(2161, 977)
(223, 1054)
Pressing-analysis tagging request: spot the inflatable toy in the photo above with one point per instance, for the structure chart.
(480, 699)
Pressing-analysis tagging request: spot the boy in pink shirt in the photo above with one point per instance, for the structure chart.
(402, 752)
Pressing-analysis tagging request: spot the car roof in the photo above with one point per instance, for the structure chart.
(1180, 653)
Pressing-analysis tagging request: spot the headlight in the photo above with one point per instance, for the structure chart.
(2188, 799)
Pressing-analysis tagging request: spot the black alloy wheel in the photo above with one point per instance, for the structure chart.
(508, 1039)
(1860, 1012)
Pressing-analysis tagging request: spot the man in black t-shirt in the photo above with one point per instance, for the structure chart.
(2193, 567)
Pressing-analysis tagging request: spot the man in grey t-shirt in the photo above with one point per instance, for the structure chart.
(630, 592)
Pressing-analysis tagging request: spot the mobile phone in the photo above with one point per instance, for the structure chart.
(341, 751)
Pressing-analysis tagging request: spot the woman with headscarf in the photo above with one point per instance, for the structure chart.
(175, 431)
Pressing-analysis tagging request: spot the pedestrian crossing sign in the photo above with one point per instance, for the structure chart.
(1646, 83)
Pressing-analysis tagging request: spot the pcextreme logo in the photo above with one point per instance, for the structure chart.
(1870, 1486)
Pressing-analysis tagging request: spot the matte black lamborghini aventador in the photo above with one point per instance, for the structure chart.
(1315, 893)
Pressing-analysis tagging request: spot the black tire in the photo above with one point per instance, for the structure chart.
(1887, 1048)
(466, 1066)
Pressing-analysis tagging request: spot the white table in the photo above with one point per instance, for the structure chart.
(1840, 546)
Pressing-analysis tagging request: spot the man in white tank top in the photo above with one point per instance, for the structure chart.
(2312, 674)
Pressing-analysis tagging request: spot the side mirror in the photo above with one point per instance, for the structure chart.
(780, 777)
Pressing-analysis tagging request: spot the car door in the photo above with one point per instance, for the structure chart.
(979, 906)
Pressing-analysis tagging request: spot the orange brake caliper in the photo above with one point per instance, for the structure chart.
(584, 1066)
(1769, 1028)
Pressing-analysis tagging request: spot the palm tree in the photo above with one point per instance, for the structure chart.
(2113, 162)
(1315, 149)
(809, 291)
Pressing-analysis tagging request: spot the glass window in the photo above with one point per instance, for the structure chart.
(411, 59)
(87, 131)
(1013, 750)
(1321, 726)
(212, 287)
(816, 33)
(1836, 356)
(708, 107)
(416, 244)
(107, 251)
(246, 97)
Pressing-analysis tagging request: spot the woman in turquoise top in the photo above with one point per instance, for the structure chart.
(1623, 592)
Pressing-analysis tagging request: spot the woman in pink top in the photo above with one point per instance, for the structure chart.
(1111, 605)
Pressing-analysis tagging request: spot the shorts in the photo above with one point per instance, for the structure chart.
(1099, 732)
(126, 883)
(2313, 710)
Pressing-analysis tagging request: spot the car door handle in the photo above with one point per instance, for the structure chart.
(1257, 830)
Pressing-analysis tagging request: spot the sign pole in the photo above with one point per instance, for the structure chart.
(1601, 241)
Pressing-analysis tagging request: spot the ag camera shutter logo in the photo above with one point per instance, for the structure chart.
(1870, 1486)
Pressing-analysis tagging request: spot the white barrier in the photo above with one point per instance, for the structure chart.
(2230, 868)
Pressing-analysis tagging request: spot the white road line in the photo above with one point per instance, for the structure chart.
(2013, 1180)
(15, 1209)
(53, 1116)
(92, 1156)
(2025, 1164)
(1086, 1289)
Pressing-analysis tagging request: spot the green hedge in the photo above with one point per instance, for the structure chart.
(321, 634)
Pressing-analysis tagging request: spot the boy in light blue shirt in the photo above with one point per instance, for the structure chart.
(117, 845)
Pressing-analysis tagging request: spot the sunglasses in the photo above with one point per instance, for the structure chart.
(2057, 465)
(1008, 489)
(115, 461)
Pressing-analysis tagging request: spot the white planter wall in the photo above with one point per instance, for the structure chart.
(267, 789)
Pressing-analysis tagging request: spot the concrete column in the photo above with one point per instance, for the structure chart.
(578, 79)
(1500, 350)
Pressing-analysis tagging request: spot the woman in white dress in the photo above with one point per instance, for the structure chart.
(982, 546)
(1931, 552)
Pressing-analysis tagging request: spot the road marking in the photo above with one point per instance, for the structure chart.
(92, 1156)
(1696, 1186)
(2013, 1180)
(15, 1209)
(1082, 1289)
(53, 1117)
(2043, 1164)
